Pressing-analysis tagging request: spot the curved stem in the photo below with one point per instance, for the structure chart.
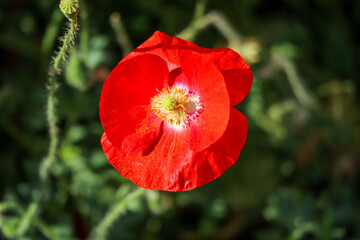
(298, 87)
(190, 32)
(51, 102)
(48, 161)
(216, 19)
(8, 206)
(305, 98)
(100, 231)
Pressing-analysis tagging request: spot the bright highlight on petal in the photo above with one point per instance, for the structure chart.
(176, 106)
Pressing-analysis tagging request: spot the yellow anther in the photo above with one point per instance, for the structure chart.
(171, 104)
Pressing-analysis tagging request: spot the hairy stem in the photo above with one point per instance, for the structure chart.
(51, 102)
(50, 36)
(33, 209)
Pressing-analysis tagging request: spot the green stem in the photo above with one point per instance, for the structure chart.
(48, 161)
(28, 216)
(120, 32)
(304, 98)
(8, 206)
(225, 28)
(51, 102)
(196, 23)
(199, 9)
(99, 233)
(84, 34)
(216, 19)
(50, 36)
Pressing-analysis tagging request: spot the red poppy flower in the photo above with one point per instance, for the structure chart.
(167, 113)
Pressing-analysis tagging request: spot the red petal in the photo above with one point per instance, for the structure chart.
(131, 85)
(202, 77)
(211, 163)
(147, 129)
(237, 73)
(172, 166)
(159, 169)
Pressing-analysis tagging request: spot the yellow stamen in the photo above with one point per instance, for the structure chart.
(171, 104)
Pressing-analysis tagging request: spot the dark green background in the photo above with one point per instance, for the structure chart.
(298, 175)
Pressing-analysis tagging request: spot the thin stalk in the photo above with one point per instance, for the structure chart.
(301, 93)
(120, 32)
(199, 9)
(11, 206)
(100, 231)
(50, 36)
(48, 161)
(84, 34)
(216, 19)
(190, 32)
(51, 101)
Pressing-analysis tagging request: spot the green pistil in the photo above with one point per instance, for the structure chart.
(169, 103)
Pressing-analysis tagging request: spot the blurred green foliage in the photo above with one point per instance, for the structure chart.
(297, 177)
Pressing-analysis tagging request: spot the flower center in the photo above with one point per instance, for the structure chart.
(176, 106)
(169, 103)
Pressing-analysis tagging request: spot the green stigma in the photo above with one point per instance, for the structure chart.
(169, 103)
